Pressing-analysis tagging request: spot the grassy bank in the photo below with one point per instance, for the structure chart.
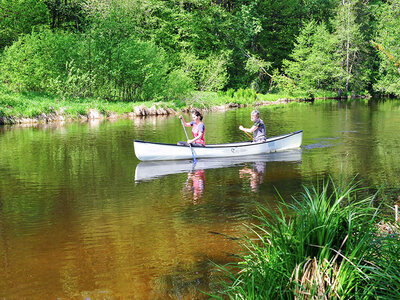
(327, 244)
(25, 107)
(32, 105)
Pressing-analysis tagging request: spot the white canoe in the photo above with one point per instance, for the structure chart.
(148, 170)
(146, 151)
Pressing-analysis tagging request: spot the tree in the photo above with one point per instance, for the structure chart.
(65, 14)
(318, 10)
(314, 65)
(388, 46)
(19, 17)
(351, 45)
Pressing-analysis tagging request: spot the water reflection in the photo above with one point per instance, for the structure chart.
(150, 170)
(195, 185)
(255, 174)
(74, 226)
(94, 123)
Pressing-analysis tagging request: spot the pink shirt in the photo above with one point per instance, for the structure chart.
(197, 130)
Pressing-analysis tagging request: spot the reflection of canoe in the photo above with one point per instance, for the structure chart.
(158, 151)
(154, 169)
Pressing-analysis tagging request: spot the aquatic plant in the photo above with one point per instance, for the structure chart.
(324, 244)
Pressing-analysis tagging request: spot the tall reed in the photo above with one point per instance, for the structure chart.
(322, 245)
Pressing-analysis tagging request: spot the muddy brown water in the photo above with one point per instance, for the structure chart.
(75, 224)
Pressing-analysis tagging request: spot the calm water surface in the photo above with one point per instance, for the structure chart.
(75, 221)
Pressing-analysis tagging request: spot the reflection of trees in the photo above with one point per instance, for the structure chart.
(46, 163)
(365, 144)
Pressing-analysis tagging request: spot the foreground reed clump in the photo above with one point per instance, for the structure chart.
(324, 245)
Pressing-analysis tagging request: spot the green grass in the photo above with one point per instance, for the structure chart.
(31, 104)
(34, 104)
(324, 245)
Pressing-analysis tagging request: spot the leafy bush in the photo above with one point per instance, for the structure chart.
(179, 85)
(230, 92)
(131, 70)
(78, 66)
(35, 60)
(245, 96)
(76, 83)
(209, 74)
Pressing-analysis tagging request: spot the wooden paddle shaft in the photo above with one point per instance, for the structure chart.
(248, 134)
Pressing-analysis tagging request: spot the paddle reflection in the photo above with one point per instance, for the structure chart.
(195, 185)
(255, 174)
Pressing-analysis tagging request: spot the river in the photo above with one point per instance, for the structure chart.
(75, 221)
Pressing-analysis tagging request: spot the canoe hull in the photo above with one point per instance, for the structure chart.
(147, 151)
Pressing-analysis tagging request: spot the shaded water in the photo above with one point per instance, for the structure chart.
(74, 222)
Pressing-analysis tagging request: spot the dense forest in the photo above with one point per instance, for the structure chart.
(138, 50)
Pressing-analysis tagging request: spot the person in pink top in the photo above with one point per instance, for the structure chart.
(198, 130)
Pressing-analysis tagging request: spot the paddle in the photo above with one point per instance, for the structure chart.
(190, 146)
(248, 134)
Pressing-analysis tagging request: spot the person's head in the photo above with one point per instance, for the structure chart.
(196, 115)
(254, 115)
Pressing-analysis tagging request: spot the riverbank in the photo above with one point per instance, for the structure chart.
(33, 108)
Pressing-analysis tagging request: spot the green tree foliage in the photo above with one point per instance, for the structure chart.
(130, 49)
(35, 60)
(19, 17)
(135, 70)
(129, 69)
(314, 65)
(179, 85)
(182, 28)
(351, 45)
(65, 14)
(281, 22)
(388, 45)
(263, 29)
(331, 59)
(318, 10)
(209, 74)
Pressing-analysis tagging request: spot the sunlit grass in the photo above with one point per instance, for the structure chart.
(324, 244)
(33, 104)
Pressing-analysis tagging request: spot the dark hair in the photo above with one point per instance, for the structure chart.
(197, 113)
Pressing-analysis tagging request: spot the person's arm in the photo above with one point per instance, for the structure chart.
(195, 139)
(250, 130)
(184, 122)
